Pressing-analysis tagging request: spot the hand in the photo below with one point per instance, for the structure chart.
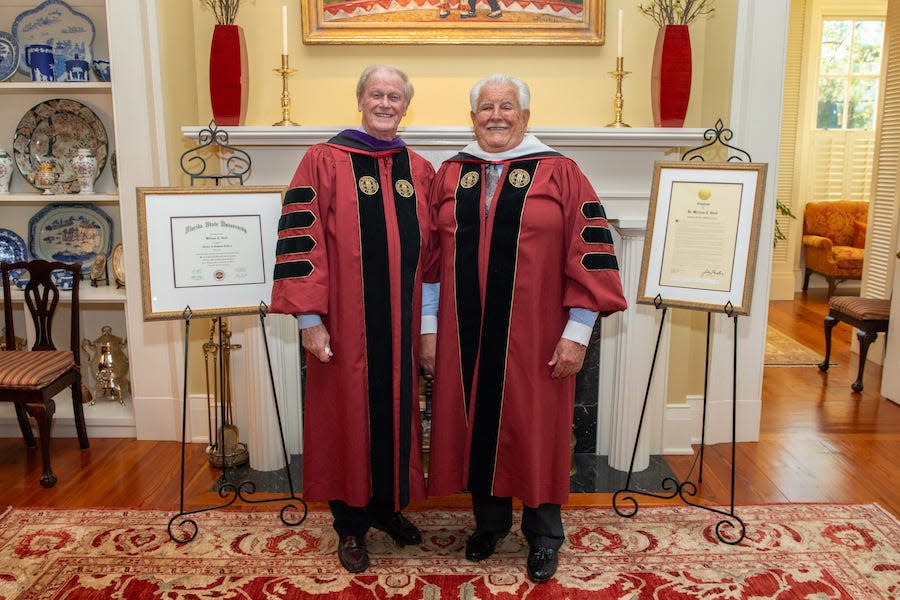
(317, 341)
(567, 358)
(427, 351)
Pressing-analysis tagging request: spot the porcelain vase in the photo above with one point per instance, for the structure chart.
(6, 170)
(85, 166)
(228, 78)
(670, 84)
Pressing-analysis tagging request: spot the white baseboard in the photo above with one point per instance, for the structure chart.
(683, 422)
(105, 419)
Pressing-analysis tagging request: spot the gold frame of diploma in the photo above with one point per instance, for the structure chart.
(209, 249)
(703, 235)
(416, 22)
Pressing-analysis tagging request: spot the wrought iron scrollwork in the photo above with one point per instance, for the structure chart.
(212, 142)
(720, 135)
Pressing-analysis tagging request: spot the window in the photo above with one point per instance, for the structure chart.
(848, 73)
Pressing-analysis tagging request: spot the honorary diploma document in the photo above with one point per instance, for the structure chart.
(217, 251)
(701, 235)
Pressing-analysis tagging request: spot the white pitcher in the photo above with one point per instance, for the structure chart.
(85, 166)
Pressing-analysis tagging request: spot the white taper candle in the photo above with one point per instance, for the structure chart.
(284, 47)
(621, 31)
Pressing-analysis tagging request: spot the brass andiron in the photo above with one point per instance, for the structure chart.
(619, 74)
(285, 71)
(227, 450)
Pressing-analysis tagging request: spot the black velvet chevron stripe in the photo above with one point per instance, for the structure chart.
(299, 195)
(296, 220)
(495, 329)
(408, 228)
(596, 235)
(593, 210)
(377, 309)
(599, 261)
(468, 289)
(295, 244)
(290, 270)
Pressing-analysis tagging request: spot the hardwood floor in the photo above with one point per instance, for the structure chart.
(819, 442)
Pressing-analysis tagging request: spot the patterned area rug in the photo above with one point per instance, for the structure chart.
(790, 551)
(784, 351)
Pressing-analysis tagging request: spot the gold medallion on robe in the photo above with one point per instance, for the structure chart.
(519, 178)
(404, 188)
(368, 185)
(469, 179)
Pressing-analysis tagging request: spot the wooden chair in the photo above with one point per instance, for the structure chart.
(869, 315)
(30, 379)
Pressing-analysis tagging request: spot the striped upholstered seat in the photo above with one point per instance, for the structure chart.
(33, 370)
(869, 315)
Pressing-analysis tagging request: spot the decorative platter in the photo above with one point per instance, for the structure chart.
(9, 55)
(12, 249)
(53, 131)
(70, 233)
(118, 264)
(55, 23)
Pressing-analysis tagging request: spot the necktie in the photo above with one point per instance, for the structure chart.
(492, 176)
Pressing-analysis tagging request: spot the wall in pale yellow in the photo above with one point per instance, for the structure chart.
(571, 87)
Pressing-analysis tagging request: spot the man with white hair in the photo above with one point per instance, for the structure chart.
(354, 220)
(525, 263)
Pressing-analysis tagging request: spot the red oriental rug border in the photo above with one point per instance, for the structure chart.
(666, 552)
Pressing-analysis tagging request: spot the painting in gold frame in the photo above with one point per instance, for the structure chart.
(512, 22)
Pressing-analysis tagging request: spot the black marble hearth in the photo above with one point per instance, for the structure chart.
(593, 474)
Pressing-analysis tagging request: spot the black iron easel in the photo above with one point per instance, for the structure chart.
(182, 527)
(686, 489)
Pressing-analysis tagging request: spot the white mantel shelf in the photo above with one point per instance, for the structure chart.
(456, 137)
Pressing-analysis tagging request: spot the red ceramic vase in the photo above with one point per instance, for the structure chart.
(228, 77)
(670, 86)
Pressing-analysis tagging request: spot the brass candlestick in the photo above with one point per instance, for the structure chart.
(285, 71)
(619, 74)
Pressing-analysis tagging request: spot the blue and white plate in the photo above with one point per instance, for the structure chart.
(54, 22)
(70, 233)
(9, 55)
(12, 249)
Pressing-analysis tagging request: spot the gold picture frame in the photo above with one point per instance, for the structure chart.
(702, 236)
(521, 22)
(210, 249)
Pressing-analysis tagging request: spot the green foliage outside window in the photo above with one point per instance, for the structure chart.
(849, 69)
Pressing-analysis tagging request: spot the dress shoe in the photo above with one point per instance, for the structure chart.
(444, 13)
(467, 15)
(495, 14)
(400, 529)
(482, 544)
(353, 554)
(542, 563)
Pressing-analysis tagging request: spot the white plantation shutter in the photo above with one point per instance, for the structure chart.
(881, 241)
(789, 117)
(841, 165)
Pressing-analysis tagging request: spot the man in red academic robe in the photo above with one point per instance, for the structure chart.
(347, 263)
(526, 263)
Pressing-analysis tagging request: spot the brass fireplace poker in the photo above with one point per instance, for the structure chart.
(227, 450)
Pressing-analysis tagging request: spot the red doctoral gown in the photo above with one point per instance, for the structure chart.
(349, 239)
(501, 425)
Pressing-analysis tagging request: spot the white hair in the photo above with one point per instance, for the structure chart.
(372, 69)
(501, 79)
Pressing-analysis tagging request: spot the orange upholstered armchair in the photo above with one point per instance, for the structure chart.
(834, 237)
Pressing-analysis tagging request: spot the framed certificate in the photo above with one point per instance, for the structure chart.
(702, 235)
(211, 249)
